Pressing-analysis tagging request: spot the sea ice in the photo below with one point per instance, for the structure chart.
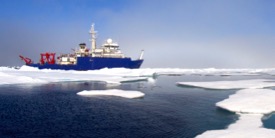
(28, 68)
(115, 75)
(251, 105)
(7, 68)
(112, 92)
(206, 72)
(259, 101)
(237, 84)
(248, 126)
(18, 79)
(33, 75)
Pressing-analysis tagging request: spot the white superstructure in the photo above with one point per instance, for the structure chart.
(109, 49)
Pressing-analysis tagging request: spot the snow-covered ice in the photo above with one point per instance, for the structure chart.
(237, 84)
(112, 92)
(115, 75)
(248, 126)
(7, 78)
(251, 104)
(259, 101)
(205, 72)
(253, 101)
(33, 75)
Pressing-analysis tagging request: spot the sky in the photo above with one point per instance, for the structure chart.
(173, 33)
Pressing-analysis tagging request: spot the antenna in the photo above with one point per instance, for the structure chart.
(141, 55)
(93, 38)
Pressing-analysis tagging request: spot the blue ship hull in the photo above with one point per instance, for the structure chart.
(93, 63)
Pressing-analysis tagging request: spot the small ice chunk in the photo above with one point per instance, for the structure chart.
(237, 84)
(132, 79)
(248, 126)
(28, 68)
(112, 92)
(119, 80)
(259, 101)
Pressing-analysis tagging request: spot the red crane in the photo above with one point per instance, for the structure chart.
(27, 60)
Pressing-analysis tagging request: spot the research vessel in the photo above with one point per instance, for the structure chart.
(107, 56)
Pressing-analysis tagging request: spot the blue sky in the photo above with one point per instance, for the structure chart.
(173, 33)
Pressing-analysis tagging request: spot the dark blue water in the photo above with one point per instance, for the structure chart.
(167, 110)
(269, 121)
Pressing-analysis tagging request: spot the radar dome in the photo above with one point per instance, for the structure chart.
(109, 41)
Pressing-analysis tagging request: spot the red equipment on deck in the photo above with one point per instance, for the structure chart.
(27, 60)
(48, 58)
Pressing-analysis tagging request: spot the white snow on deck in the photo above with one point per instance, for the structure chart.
(112, 92)
(248, 126)
(238, 84)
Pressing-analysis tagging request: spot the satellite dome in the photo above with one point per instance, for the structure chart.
(109, 41)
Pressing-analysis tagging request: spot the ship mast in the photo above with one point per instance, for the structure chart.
(93, 38)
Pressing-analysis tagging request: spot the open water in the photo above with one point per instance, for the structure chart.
(166, 110)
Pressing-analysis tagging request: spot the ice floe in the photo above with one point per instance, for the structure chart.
(252, 102)
(251, 105)
(237, 84)
(7, 68)
(115, 75)
(259, 101)
(248, 126)
(33, 75)
(112, 92)
(210, 71)
(28, 68)
(18, 79)
(166, 71)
